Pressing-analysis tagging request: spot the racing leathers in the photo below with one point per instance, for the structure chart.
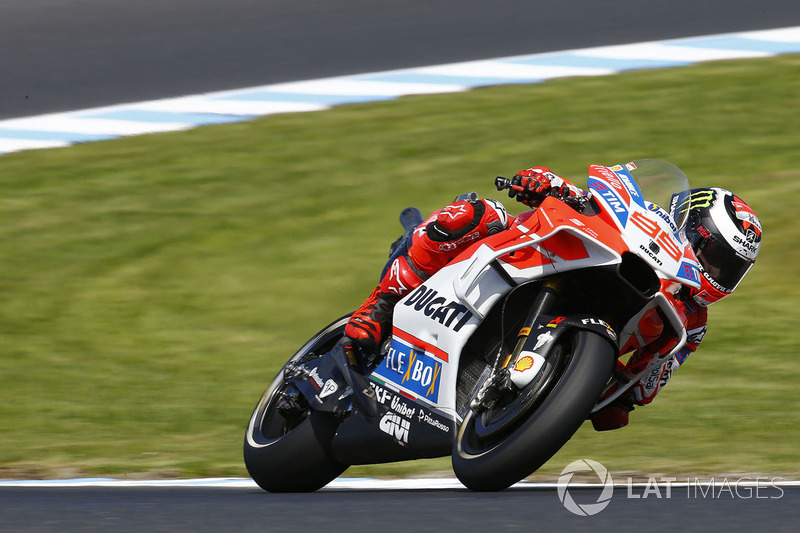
(444, 235)
(695, 318)
(451, 230)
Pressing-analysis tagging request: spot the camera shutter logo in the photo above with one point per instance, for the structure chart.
(586, 509)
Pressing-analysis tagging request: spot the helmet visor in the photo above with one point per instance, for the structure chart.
(724, 266)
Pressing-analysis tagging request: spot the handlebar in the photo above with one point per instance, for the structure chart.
(577, 202)
(502, 183)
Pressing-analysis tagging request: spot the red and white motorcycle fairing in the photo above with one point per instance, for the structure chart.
(434, 322)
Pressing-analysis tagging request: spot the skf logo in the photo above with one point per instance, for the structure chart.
(396, 427)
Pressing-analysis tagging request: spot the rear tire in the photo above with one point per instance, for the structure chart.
(497, 462)
(293, 455)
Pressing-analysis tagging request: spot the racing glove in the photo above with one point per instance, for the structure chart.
(534, 184)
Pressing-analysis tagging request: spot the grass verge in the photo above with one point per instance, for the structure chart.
(151, 286)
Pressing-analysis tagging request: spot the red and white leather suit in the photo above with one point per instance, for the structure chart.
(449, 231)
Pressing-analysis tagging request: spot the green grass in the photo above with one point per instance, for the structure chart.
(151, 286)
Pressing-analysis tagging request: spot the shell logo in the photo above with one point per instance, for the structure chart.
(524, 364)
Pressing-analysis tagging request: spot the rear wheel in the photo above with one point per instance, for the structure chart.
(498, 446)
(287, 445)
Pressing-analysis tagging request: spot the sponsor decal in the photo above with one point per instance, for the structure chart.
(454, 211)
(747, 217)
(695, 336)
(603, 323)
(614, 201)
(396, 427)
(316, 381)
(394, 275)
(662, 215)
(450, 314)
(329, 388)
(450, 246)
(431, 421)
(543, 339)
(500, 211)
(714, 284)
(382, 395)
(630, 184)
(555, 322)
(703, 198)
(747, 241)
(652, 380)
(395, 402)
(400, 407)
(524, 364)
(584, 228)
(704, 297)
(412, 369)
(689, 271)
(615, 183)
(526, 368)
(653, 255)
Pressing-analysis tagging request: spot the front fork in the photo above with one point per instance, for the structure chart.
(500, 378)
(543, 303)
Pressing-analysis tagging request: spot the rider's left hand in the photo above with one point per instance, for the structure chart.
(532, 185)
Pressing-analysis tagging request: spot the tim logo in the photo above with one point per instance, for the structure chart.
(413, 369)
(614, 202)
(396, 427)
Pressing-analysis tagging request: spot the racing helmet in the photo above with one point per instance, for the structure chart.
(725, 235)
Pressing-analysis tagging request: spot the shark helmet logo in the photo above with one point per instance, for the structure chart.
(748, 221)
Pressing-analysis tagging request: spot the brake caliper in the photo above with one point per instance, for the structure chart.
(492, 388)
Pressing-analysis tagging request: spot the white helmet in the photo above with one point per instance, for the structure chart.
(726, 237)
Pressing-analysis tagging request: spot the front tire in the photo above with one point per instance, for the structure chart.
(293, 454)
(489, 463)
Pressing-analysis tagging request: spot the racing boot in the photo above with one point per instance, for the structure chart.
(371, 323)
(613, 416)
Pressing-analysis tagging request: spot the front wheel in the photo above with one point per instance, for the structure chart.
(289, 451)
(494, 460)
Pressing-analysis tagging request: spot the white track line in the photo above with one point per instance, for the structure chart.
(371, 484)
(180, 113)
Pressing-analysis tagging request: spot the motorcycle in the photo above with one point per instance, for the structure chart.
(499, 357)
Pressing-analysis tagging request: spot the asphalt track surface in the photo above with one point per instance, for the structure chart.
(60, 55)
(206, 510)
(63, 55)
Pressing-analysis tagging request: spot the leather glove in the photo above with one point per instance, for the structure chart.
(534, 184)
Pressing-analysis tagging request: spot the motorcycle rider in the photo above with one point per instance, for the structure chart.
(723, 230)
